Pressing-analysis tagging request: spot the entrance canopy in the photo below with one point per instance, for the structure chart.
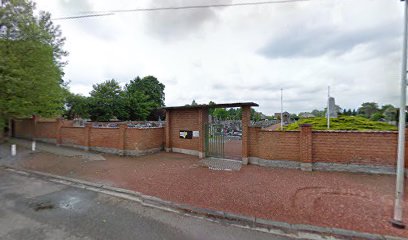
(221, 105)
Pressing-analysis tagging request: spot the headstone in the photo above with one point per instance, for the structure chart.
(332, 108)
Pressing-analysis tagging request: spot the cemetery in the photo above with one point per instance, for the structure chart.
(186, 130)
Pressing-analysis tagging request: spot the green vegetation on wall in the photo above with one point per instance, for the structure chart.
(343, 123)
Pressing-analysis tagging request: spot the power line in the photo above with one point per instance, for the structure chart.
(112, 12)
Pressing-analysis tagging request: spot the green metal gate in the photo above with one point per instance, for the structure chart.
(214, 140)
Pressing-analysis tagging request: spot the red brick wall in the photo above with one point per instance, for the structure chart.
(184, 119)
(46, 130)
(23, 128)
(273, 145)
(105, 137)
(375, 148)
(144, 139)
(73, 135)
(344, 147)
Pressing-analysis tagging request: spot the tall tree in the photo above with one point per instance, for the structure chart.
(367, 109)
(151, 88)
(137, 105)
(31, 61)
(76, 106)
(105, 101)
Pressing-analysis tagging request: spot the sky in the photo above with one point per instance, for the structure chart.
(240, 54)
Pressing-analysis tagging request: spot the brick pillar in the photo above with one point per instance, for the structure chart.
(122, 139)
(87, 136)
(34, 127)
(202, 120)
(246, 118)
(168, 130)
(305, 147)
(58, 131)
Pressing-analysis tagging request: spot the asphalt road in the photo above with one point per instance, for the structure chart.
(32, 208)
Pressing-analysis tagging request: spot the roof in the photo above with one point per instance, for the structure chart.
(221, 105)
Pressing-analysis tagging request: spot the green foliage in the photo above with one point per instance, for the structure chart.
(343, 123)
(150, 87)
(105, 102)
(30, 62)
(367, 109)
(76, 106)
(136, 102)
(318, 113)
(220, 113)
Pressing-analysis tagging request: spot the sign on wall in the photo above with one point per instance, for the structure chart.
(186, 134)
(196, 134)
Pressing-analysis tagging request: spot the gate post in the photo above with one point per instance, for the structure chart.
(246, 118)
(202, 120)
(167, 132)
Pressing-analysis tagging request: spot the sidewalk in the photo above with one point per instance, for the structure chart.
(359, 202)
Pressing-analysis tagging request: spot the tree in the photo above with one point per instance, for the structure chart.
(76, 106)
(220, 113)
(151, 88)
(367, 109)
(389, 112)
(136, 104)
(30, 62)
(194, 103)
(105, 101)
(318, 113)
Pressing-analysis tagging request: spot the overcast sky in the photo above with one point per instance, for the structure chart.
(240, 53)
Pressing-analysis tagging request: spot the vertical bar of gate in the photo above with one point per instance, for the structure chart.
(223, 142)
(211, 140)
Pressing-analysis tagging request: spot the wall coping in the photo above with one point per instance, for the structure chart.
(353, 131)
(327, 131)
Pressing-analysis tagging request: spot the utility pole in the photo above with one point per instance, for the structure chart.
(399, 189)
(281, 108)
(328, 107)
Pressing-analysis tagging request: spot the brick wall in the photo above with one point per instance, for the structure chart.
(23, 128)
(342, 147)
(376, 148)
(46, 130)
(73, 136)
(184, 119)
(120, 140)
(105, 137)
(144, 139)
(274, 145)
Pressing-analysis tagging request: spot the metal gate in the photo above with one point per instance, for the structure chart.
(214, 140)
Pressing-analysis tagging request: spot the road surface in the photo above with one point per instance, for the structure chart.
(33, 208)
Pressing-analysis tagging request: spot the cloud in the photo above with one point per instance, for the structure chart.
(242, 53)
(172, 25)
(300, 42)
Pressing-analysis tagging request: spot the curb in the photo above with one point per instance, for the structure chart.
(300, 231)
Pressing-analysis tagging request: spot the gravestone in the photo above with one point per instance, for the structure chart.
(332, 108)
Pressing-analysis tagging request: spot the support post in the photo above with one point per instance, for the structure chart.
(168, 131)
(246, 118)
(34, 127)
(202, 120)
(305, 147)
(87, 136)
(122, 139)
(399, 189)
(58, 131)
